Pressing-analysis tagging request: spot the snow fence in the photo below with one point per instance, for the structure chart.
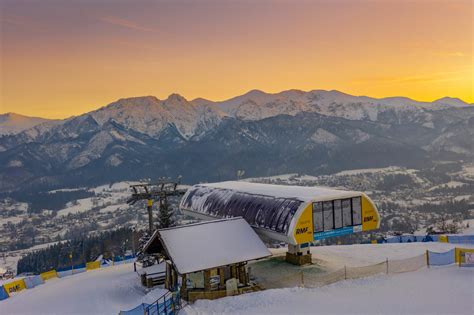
(312, 277)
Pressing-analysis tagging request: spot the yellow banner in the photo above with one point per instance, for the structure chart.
(48, 275)
(443, 239)
(459, 254)
(370, 215)
(303, 232)
(14, 286)
(92, 265)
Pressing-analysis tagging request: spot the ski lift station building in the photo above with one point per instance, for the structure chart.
(295, 215)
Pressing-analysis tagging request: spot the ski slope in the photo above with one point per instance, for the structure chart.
(446, 290)
(100, 291)
(437, 290)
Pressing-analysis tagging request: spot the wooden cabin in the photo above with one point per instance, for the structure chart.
(208, 260)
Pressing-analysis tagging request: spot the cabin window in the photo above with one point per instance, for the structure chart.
(337, 214)
(195, 280)
(356, 211)
(346, 212)
(318, 217)
(328, 215)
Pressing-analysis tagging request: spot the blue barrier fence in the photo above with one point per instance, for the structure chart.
(33, 281)
(3, 293)
(454, 239)
(139, 310)
(441, 259)
(410, 239)
(461, 239)
(167, 304)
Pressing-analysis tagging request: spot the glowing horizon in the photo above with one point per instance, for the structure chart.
(60, 59)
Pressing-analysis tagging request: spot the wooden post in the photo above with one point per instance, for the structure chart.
(459, 255)
(345, 272)
(302, 279)
(183, 288)
(221, 276)
(242, 278)
(386, 262)
(207, 278)
(427, 259)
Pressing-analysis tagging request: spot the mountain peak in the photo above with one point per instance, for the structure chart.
(176, 98)
(254, 93)
(13, 123)
(453, 101)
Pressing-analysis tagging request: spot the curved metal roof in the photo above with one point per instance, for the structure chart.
(303, 193)
(263, 211)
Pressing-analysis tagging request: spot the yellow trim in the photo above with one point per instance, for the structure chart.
(443, 239)
(92, 265)
(458, 258)
(150, 202)
(370, 215)
(14, 286)
(48, 275)
(303, 231)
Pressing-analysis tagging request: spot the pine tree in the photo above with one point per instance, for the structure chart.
(165, 215)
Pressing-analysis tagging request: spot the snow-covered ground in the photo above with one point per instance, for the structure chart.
(335, 257)
(101, 291)
(441, 290)
(446, 290)
(107, 197)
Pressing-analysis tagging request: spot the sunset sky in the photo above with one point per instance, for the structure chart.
(63, 58)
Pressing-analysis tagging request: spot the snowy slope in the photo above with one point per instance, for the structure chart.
(150, 115)
(442, 290)
(256, 105)
(101, 291)
(446, 290)
(335, 257)
(11, 123)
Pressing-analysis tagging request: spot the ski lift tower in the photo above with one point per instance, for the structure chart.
(150, 192)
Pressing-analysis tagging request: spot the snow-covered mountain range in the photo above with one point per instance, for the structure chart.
(11, 123)
(203, 140)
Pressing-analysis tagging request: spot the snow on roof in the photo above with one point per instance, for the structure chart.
(303, 193)
(211, 244)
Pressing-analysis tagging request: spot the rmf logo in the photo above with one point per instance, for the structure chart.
(302, 230)
(14, 288)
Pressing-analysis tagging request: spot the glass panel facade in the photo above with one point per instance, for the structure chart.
(356, 211)
(346, 212)
(328, 215)
(318, 217)
(337, 214)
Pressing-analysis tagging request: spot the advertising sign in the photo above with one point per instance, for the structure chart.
(338, 232)
(469, 258)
